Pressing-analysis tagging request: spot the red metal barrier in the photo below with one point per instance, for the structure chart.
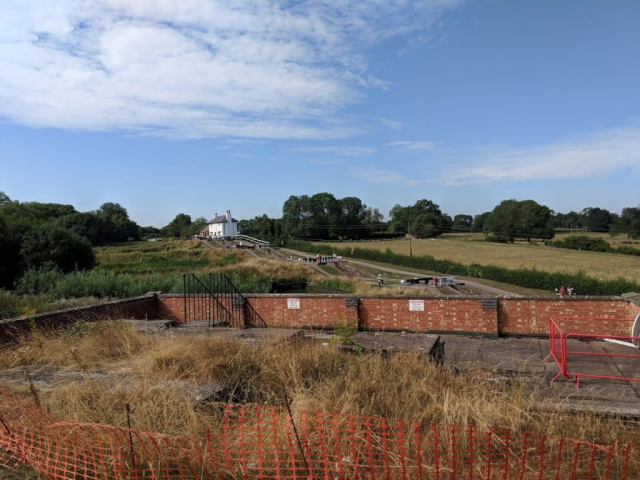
(594, 347)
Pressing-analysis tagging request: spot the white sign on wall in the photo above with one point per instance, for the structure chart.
(293, 303)
(416, 305)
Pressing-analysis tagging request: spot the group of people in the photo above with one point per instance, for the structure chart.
(564, 291)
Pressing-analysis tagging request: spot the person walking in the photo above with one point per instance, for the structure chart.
(562, 291)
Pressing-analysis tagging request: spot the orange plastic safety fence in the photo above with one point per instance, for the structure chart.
(267, 443)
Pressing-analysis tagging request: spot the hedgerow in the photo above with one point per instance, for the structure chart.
(591, 244)
(56, 285)
(522, 277)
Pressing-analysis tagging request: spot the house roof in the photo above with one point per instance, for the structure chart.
(220, 219)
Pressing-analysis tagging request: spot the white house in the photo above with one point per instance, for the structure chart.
(221, 226)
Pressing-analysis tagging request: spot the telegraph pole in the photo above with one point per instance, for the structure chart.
(410, 249)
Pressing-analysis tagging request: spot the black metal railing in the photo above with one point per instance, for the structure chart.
(216, 300)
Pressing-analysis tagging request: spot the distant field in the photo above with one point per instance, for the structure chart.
(470, 248)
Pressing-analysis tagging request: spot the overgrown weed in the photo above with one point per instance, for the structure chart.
(153, 375)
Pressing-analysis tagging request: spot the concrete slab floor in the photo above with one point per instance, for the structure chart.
(387, 343)
(522, 359)
(247, 335)
(519, 359)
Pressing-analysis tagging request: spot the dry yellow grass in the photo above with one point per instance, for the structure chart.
(147, 373)
(469, 249)
(272, 268)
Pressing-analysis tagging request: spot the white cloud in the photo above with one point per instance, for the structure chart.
(391, 124)
(375, 175)
(323, 162)
(586, 156)
(195, 68)
(341, 151)
(410, 145)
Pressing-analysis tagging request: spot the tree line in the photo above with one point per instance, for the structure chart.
(48, 236)
(324, 217)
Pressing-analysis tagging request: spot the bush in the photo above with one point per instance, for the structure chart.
(591, 244)
(582, 242)
(498, 239)
(51, 246)
(529, 278)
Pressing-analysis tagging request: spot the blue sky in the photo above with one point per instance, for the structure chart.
(199, 106)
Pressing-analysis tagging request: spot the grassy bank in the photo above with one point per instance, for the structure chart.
(174, 256)
(134, 269)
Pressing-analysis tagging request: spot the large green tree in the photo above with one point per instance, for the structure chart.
(519, 219)
(36, 235)
(628, 223)
(423, 219)
(94, 227)
(120, 227)
(50, 246)
(479, 221)
(462, 223)
(179, 227)
(596, 219)
(322, 216)
(566, 220)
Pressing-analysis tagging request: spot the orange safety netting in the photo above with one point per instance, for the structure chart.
(253, 441)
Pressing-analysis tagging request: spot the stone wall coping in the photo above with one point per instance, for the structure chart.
(118, 301)
(632, 297)
(417, 297)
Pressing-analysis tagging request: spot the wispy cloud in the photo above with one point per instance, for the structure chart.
(341, 151)
(375, 175)
(195, 68)
(585, 156)
(323, 162)
(391, 124)
(411, 145)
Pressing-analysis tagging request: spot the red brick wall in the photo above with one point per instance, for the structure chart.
(139, 307)
(171, 307)
(453, 315)
(513, 316)
(531, 315)
(315, 311)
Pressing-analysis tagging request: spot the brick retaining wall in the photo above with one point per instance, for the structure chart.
(525, 315)
(472, 315)
(484, 316)
(145, 307)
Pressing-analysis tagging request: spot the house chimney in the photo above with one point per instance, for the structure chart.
(228, 215)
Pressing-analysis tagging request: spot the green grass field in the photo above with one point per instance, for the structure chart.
(470, 248)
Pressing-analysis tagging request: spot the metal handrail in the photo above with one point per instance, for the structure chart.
(254, 315)
(210, 295)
